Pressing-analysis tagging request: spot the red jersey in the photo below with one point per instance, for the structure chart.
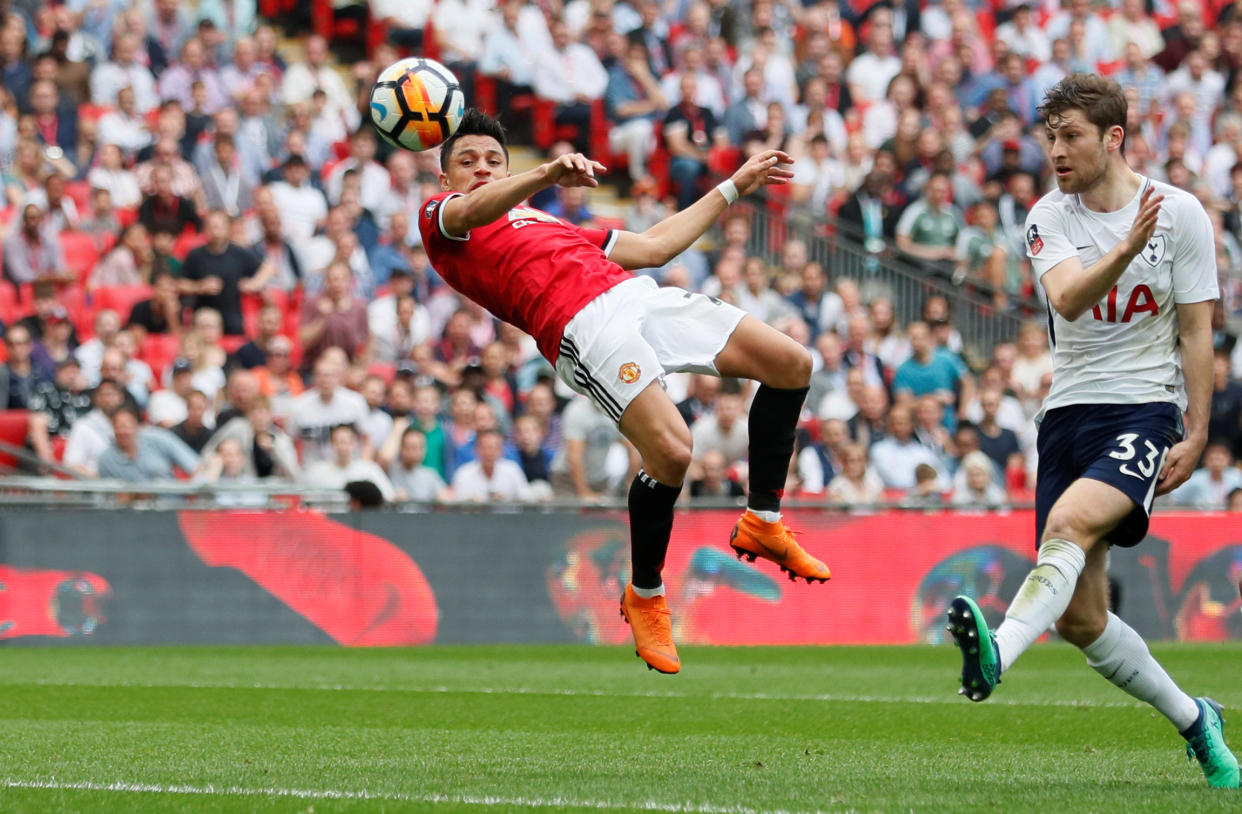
(528, 268)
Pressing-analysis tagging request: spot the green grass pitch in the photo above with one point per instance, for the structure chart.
(530, 728)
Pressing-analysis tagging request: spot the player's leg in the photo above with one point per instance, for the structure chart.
(1117, 652)
(1076, 524)
(782, 367)
(653, 425)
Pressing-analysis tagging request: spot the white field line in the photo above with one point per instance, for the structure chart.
(338, 794)
(948, 698)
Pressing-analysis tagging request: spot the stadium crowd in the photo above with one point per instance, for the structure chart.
(212, 267)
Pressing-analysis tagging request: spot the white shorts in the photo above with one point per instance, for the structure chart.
(634, 333)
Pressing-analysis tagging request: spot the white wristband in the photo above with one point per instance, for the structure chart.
(728, 189)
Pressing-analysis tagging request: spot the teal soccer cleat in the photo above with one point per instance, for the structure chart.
(981, 666)
(1206, 743)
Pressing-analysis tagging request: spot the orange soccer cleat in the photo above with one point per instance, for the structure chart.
(652, 625)
(753, 537)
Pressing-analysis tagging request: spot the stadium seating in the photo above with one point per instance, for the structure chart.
(121, 298)
(81, 253)
(159, 351)
(13, 424)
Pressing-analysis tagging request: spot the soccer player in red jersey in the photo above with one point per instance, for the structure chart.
(612, 336)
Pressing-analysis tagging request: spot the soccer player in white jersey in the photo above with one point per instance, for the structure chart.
(1129, 270)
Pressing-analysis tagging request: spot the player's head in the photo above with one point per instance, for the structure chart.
(1084, 123)
(475, 154)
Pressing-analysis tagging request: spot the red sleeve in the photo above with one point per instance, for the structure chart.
(604, 238)
(429, 224)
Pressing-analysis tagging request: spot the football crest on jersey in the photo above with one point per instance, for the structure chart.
(430, 208)
(629, 372)
(1153, 252)
(1033, 240)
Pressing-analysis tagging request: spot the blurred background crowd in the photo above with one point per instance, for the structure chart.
(212, 267)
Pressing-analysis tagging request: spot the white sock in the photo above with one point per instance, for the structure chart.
(1041, 600)
(767, 517)
(1121, 656)
(648, 593)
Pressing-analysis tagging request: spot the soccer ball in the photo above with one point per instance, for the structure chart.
(416, 103)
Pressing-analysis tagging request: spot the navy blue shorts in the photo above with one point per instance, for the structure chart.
(1122, 445)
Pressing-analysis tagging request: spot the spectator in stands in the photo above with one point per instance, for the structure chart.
(56, 125)
(396, 321)
(870, 72)
(338, 243)
(411, 478)
(170, 24)
(345, 465)
(634, 104)
(101, 222)
(334, 318)
(928, 228)
(91, 434)
(207, 359)
(302, 79)
(490, 477)
(724, 427)
(977, 487)
(856, 484)
(405, 20)
(128, 264)
(160, 314)
(278, 378)
(167, 407)
(326, 404)
(163, 208)
(225, 185)
(57, 337)
(273, 247)
(239, 395)
(895, 457)
(874, 209)
(22, 374)
(870, 423)
(125, 127)
(535, 456)
(1209, 486)
(268, 325)
(999, 443)
(32, 252)
(196, 429)
(926, 372)
(714, 479)
(124, 70)
(580, 467)
(61, 212)
(690, 132)
(118, 362)
(218, 273)
(175, 83)
(267, 450)
(143, 453)
(818, 306)
(459, 428)
(376, 182)
(377, 425)
(243, 70)
(110, 175)
(819, 462)
(55, 406)
(570, 74)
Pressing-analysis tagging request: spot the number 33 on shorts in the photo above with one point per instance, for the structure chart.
(1146, 461)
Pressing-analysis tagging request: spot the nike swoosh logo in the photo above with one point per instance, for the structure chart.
(1080, 248)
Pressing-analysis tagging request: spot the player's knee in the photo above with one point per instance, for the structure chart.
(800, 368)
(792, 369)
(1080, 630)
(1069, 523)
(669, 457)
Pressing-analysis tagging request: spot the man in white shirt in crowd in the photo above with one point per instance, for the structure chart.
(326, 405)
(302, 207)
(895, 457)
(124, 71)
(490, 476)
(345, 465)
(570, 74)
(304, 78)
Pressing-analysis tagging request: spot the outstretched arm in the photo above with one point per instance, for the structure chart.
(481, 206)
(676, 233)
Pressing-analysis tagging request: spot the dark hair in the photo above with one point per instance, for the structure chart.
(343, 426)
(1101, 100)
(366, 493)
(412, 430)
(474, 123)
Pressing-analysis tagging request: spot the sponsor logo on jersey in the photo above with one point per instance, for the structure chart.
(629, 372)
(521, 214)
(1033, 240)
(1153, 252)
(430, 208)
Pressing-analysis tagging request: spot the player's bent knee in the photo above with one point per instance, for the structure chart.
(1069, 523)
(668, 458)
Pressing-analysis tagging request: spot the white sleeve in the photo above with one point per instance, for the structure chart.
(906, 222)
(1194, 266)
(1046, 241)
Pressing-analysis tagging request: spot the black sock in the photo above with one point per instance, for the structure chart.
(773, 421)
(651, 523)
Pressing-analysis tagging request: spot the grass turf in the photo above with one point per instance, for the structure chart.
(588, 729)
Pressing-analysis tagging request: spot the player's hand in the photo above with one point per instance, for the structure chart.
(767, 167)
(1145, 221)
(575, 170)
(1178, 465)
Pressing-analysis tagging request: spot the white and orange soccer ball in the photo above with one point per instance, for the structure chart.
(417, 103)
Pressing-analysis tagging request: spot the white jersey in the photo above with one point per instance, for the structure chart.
(1124, 350)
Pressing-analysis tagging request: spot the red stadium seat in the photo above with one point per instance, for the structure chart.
(81, 253)
(8, 303)
(13, 425)
(385, 370)
(126, 216)
(121, 298)
(80, 193)
(186, 241)
(159, 351)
